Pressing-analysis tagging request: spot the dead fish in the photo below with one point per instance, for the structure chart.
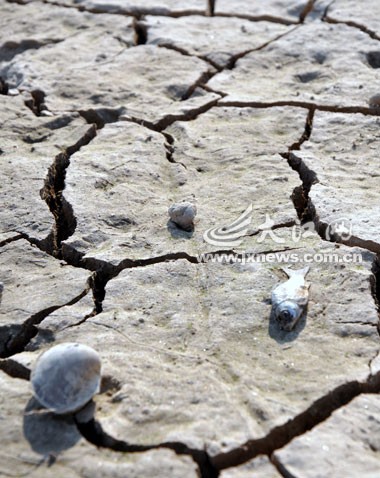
(290, 298)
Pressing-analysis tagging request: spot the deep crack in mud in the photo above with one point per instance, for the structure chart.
(279, 436)
(16, 338)
(65, 222)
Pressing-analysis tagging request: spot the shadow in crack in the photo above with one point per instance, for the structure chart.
(93, 432)
(43, 337)
(282, 336)
(47, 433)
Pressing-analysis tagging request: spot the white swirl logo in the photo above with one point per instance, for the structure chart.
(339, 229)
(230, 235)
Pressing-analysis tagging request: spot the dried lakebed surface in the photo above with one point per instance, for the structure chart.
(263, 111)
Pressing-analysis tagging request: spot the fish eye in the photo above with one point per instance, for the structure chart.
(285, 315)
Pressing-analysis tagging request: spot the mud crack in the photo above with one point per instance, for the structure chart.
(368, 111)
(282, 470)
(140, 32)
(217, 68)
(258, 18)
(4, 87)
(105, 271)
(202, 80)
(307, 131)
(305, 208)
(375, 286)
(14, 338)
(281, 435)
(300, 194)
(15, 237)
(169, 148)
(102, 116)
(14, 369)
(208, 75)
(211, 7)
(322, 229)
(306, 10)
(51, 193)
(10, 49)
(326, 18)
(37, 102)
(233, 60)
(169, 119)
(93, 432)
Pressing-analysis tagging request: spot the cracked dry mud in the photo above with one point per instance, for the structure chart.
(111, 112)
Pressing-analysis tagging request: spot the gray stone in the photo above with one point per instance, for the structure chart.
(34, 441)
(343, 153)
(302, 67)
(66, 377)
(346, 444)
(218, 39)
(285, 10)
(183, 215)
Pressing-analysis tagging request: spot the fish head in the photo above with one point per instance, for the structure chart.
(287, 314)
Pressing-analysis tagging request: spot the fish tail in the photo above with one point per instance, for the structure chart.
(299, 272)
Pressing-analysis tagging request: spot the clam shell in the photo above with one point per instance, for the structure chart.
(66, 377)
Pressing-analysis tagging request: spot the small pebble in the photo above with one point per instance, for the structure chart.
(183, 214)
(374, 101)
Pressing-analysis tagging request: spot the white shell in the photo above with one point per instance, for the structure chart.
(66, 377)
(183, 214)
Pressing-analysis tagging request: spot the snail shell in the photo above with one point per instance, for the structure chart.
(66, 377)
